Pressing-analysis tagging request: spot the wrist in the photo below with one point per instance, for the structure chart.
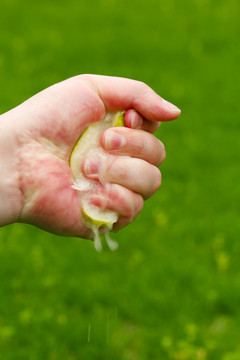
(10, 194)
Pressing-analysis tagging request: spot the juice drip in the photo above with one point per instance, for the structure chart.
(113, 245)
(97, 239)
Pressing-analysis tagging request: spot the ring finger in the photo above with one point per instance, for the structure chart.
(134, 174)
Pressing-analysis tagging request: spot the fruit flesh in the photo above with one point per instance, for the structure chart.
(89, 142)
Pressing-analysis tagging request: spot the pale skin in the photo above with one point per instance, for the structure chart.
(37, 137)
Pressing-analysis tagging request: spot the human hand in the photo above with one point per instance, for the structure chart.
(37, 138)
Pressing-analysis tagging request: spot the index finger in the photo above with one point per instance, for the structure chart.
(121, 93)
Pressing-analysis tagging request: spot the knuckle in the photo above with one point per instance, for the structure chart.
(83, 77)
(122, 173)
(152, 126)
(143, 88)
(115, 169)
(153, 184)
(163, 153)
(140, 148)
(159, 153)
(133, 206)
(158, 179)
(143, 85)
(138, 205)
(129, 208)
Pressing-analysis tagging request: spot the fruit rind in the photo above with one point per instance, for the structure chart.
(94, 217)
(89, 139)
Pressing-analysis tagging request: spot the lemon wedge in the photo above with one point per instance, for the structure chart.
(88, 142)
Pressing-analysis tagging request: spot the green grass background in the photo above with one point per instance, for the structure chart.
(172, 290)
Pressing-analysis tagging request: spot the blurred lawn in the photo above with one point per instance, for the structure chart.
(172, 290)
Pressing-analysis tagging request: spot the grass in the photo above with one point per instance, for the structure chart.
(172, 290)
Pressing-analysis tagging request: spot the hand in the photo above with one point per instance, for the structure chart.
(38, 136)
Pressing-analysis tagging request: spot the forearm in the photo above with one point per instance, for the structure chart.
(10, 194)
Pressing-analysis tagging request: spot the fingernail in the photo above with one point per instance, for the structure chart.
(170, 107)
(99, 200)
(136, 120)
(91, 168)
(114, 141)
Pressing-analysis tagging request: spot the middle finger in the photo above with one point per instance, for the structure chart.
(135, 143)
